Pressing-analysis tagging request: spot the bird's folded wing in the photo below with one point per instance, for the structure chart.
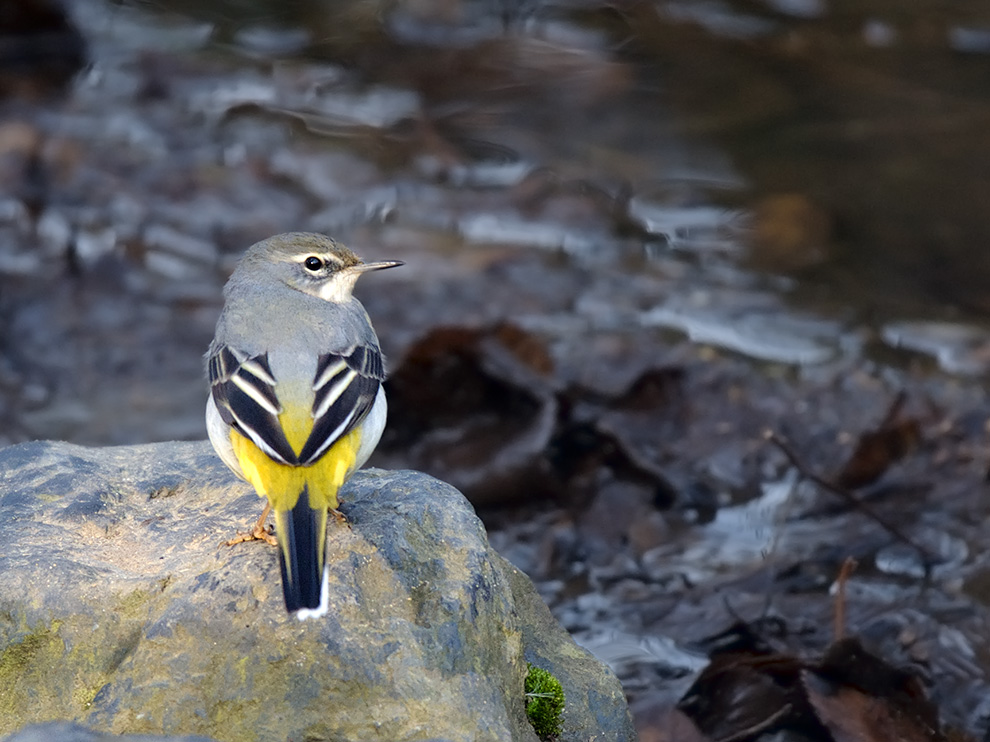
(246, 394)
(345, 388)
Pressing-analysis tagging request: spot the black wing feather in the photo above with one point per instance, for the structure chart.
(366, 361)
(243, 412)
(358, 396)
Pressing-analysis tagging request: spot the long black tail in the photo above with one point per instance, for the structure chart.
(302, 535)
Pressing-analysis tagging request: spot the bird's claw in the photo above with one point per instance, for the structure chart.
(258, 533)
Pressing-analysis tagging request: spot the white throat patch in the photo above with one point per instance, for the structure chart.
(339, 287)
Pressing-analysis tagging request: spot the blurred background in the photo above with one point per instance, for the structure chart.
(790, 179)
(636, 234)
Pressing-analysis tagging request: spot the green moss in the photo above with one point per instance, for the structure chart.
(234, 719)
(25, 663)
(133, 604)
(55, 671)
(544, 702)
(83, 696)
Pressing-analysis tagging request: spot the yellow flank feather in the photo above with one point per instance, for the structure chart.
(282, 484)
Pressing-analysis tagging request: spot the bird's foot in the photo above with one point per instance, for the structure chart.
(340, 517)
(258, 533)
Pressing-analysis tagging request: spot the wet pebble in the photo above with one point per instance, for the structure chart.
(957, 348)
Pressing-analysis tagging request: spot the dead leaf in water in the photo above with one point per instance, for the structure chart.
(850, 695)
(877, 450)
(473, 407)
(481, 408)
(860, 698)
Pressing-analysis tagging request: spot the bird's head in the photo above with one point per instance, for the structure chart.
(311, 263)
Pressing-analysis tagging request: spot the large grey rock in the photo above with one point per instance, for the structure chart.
(120, 609)
(63, 731)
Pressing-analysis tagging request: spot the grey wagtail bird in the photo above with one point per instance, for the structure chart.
(296, 402)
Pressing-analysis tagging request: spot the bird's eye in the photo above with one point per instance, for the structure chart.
(313, 263)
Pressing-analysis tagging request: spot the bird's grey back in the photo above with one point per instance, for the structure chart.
(259, 316)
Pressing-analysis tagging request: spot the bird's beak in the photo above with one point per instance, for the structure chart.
(381, 265)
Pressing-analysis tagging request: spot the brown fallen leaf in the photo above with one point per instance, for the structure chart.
(674, 726)
(740, 696)
(859, 697)
(481, 408)
(877, 450)
(850, 695)
(471, 406)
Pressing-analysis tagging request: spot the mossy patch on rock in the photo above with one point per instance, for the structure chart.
(24, 665)
(544, 702)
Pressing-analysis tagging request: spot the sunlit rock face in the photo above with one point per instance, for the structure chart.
(121, 609)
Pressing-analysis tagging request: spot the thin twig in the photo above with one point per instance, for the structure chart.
(839, 628)
(894, 411)
(754, 729)
(929, 557)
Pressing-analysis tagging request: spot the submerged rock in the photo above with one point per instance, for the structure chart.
(120, 610)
